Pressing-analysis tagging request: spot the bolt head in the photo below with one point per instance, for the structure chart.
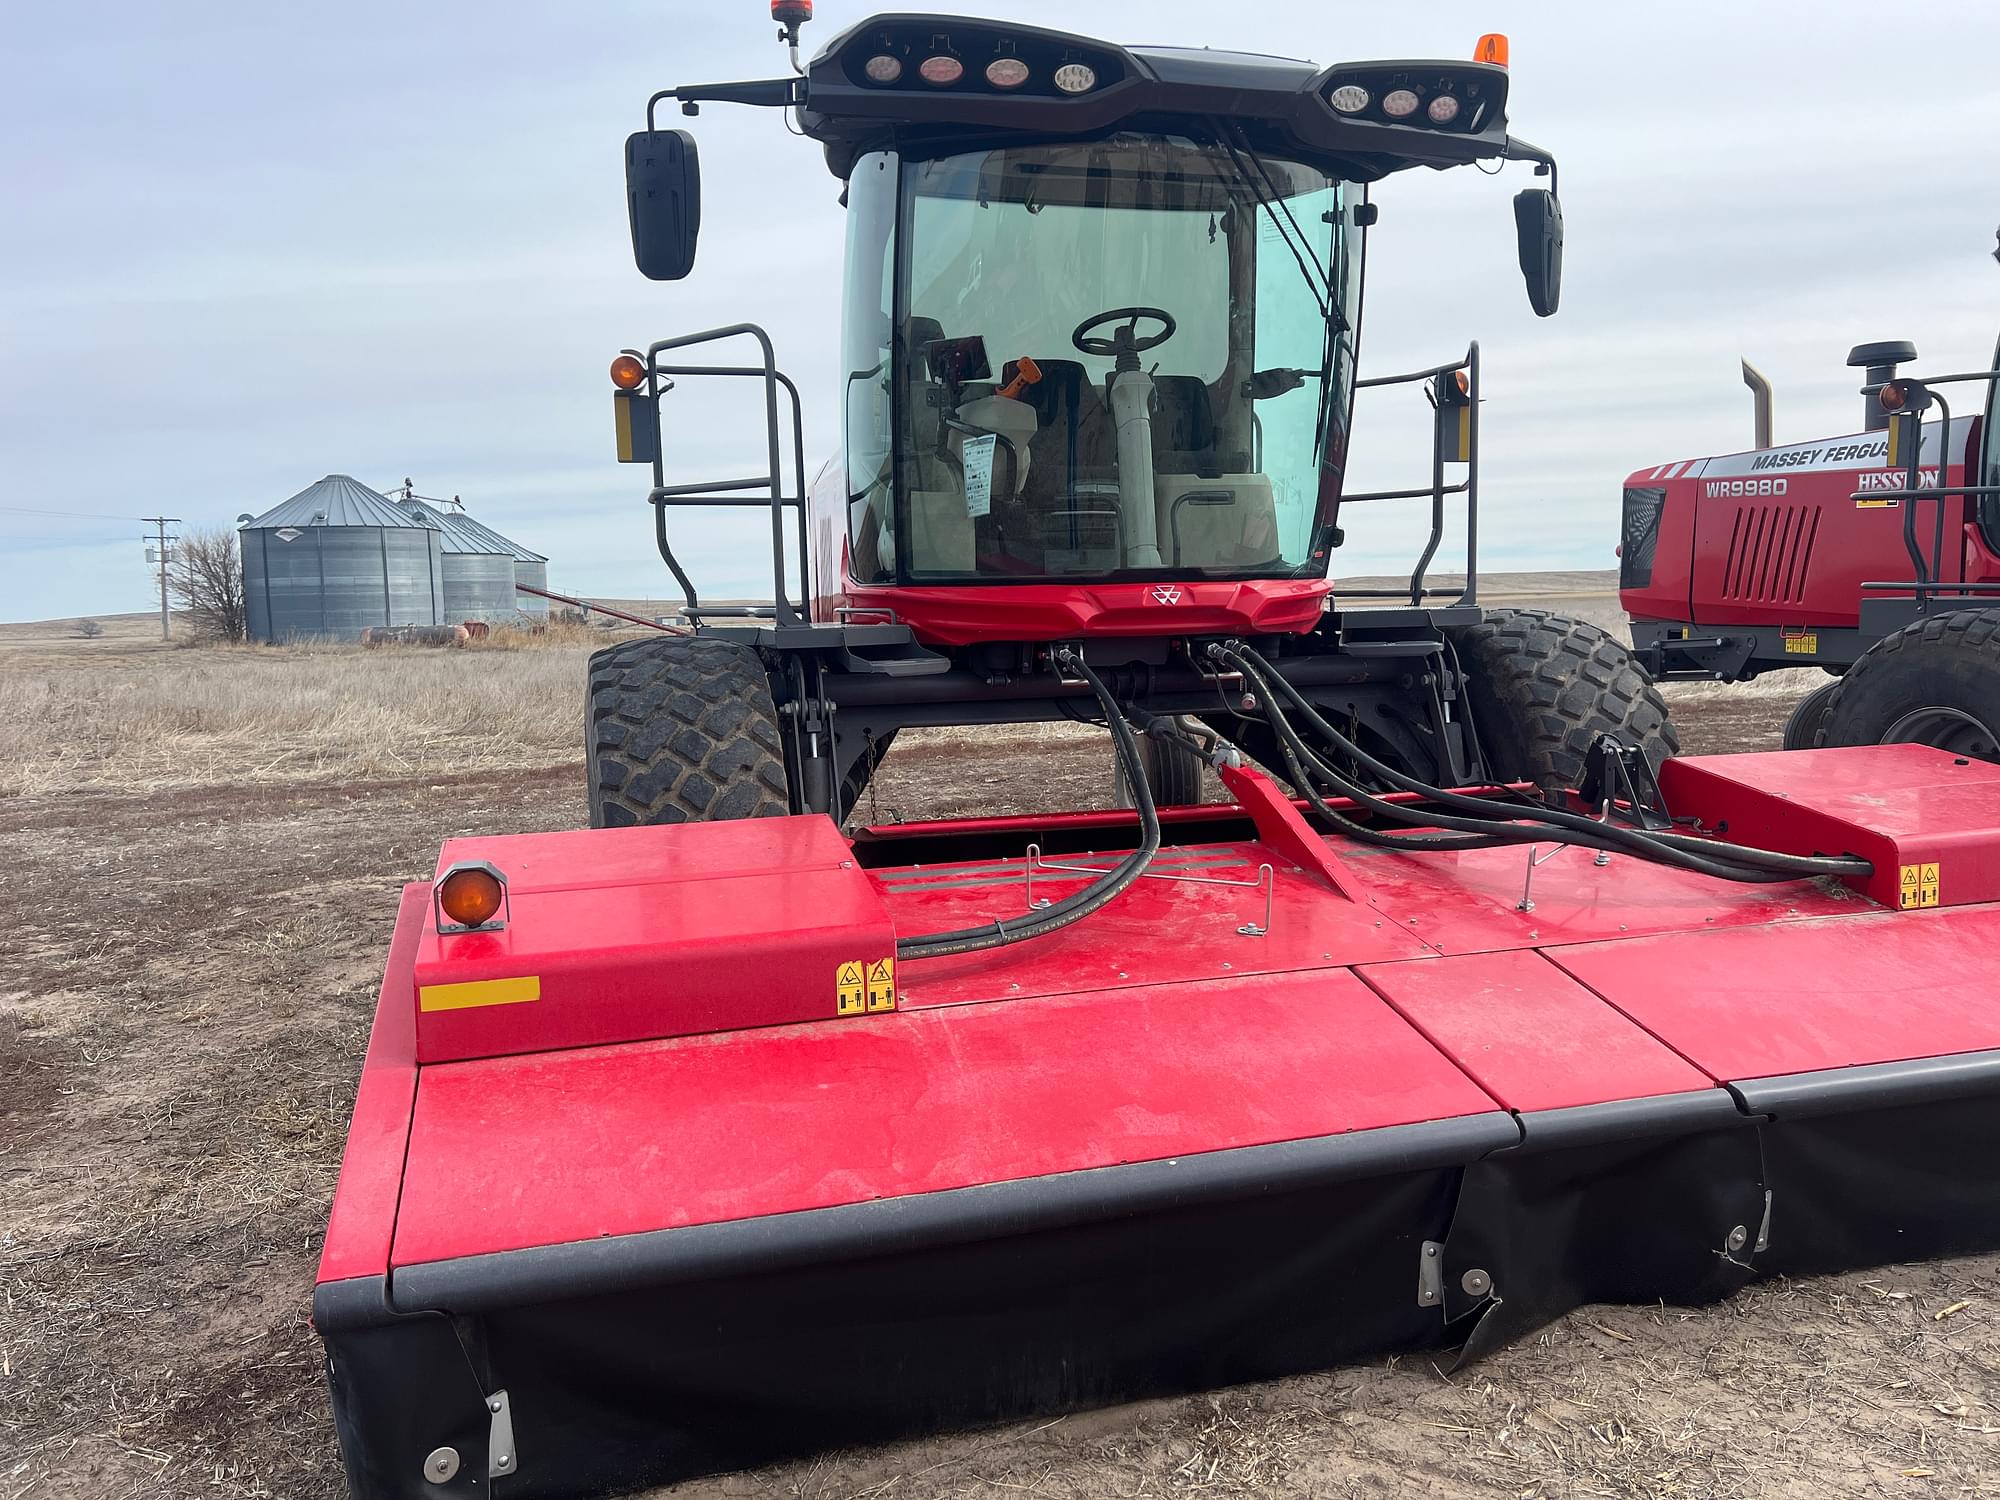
(1476, 1282)
(1738, 1238)
(440, 1465)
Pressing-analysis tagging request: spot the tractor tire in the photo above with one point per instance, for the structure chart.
(1934, 682)
(1802, 728)
(680, 729)
(1173, 773)
(1542, 687)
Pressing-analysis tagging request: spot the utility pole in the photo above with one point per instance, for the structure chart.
(161, 523)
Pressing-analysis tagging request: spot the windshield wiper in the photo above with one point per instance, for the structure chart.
(1258, 178)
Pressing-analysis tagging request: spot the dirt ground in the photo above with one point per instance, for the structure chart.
(186, 977)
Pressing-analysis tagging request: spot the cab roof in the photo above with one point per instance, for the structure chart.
(1278, 103)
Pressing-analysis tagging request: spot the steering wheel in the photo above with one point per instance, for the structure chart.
(1123, 341)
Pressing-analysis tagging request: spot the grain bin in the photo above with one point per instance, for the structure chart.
(337, 558)
(478, 570)
(530, 567)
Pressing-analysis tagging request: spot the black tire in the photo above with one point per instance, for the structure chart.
(1934, 682)
(1802, 728)
(1173, 772)
(679, 729)
(1542, 686)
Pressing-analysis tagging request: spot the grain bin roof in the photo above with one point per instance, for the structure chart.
(501, 543)
(339, 500)
(458, 537)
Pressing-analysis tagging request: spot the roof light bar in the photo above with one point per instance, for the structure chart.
(941, 70)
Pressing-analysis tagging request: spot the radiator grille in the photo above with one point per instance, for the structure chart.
(1770, 553)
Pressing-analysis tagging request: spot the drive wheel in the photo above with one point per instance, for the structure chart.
(1173, 772)
(1934, 682)
(1802, 728)
(1542, 686)
(680, 729)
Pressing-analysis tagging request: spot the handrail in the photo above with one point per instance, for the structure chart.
(1437, 489)
(717, 493)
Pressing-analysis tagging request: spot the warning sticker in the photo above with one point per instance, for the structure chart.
(1804, 644)
(977, 457)
(1876, 502)
(882, 984)
(850, 990)
(1920, 885)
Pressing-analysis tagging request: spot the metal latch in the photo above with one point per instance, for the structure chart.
(500, 1455)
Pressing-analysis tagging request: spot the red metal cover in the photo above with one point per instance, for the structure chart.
(519, 1151)
(1530, 1035)
(622, 934)
(1927, 820)
(1797, 997)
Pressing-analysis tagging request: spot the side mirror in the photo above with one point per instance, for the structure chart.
(1538, 220)
(663, 194)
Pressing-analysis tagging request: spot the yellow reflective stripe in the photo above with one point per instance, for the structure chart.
(480, 992)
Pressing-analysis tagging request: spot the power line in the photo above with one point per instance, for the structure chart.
(78, 515)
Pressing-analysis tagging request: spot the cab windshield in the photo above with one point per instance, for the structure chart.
(1131, 356)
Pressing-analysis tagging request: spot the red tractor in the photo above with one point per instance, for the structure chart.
(1874, 555)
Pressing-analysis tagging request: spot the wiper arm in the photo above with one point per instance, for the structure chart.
(1266, 192)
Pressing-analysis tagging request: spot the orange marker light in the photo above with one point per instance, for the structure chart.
(1492, 48)
(471, 895)
(1464, 382)
(1893, 397)
(628, 372)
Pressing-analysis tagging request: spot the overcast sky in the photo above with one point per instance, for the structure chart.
(245, 245)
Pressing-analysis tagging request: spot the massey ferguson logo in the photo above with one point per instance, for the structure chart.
(1167, 593)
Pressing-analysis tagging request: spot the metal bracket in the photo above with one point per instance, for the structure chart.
(500, 1455)
(1430, 1274)
(1619, 778)
(1266, 882)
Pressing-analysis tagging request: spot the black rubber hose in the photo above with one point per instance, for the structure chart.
(1002, 931)
(1575, 829)
(1706, 856)
(1710, 857)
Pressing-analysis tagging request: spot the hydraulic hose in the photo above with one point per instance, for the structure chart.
(1079, 904)
(1521, 825)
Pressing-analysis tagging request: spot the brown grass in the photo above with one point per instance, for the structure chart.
(134, 720)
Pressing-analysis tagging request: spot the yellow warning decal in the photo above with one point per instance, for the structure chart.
(1871, 502)
(1803, 644)
(850, 990)
(882, 984)
(477, 992)
(1920, 885)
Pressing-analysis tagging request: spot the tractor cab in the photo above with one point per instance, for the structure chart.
(1100, 323)
(1102, 305)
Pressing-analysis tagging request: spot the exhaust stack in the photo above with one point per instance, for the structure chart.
(1760, 396)
(1880, 361)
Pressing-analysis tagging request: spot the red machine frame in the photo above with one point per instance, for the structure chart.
(724, 1185)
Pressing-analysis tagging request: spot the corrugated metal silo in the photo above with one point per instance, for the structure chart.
(478, 573)
(337, 558)
(530, 567)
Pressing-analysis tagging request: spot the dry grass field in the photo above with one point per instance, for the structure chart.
(202, 850)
